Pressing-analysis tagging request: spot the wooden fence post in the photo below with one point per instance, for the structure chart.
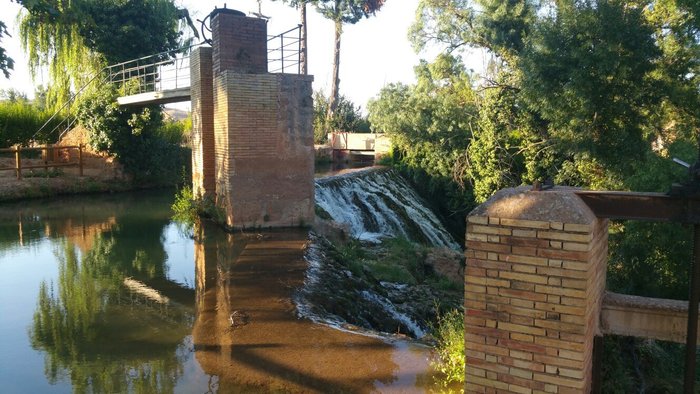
(80, 159)
(45, 153)
(18, 163)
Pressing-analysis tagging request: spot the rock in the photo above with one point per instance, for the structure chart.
(447, 262)
(335, 232)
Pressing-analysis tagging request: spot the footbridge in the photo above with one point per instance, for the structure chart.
(165, 78)
(252, 114)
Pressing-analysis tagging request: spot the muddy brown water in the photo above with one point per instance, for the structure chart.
(106, 294)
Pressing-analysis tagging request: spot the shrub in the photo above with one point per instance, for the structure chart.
(132, 135)
(449, 334)
(185, 207)
(20, 120)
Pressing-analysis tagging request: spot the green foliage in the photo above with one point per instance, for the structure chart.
(6, 62)
(121, 31)
(75, 39)
(404, 253)
(596, 94)
(631, 364)
(131, 135)
(175, 132)
(346, 118)
(185, 207)
(395, 260)
(19, 120)
(431, 125)
(449, 334)
(585, 72)
(189, 209)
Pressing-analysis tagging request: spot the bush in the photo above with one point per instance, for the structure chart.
(176, 132)
(450, 361)
(134, 136)
(185, 207)
(19, 120)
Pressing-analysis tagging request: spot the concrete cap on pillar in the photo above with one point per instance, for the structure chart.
(559, 203)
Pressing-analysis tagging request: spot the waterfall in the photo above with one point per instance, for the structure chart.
(379, 203)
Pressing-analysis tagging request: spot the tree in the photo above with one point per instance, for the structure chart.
(75, 39)
(347, 117)
(343, 12)
(132, 135)
(340, 12)
(598, 94)
(431, 126)
(6, 62)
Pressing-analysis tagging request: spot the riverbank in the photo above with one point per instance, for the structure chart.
(100, 175)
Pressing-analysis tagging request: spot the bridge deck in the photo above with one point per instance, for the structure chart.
(159, 97)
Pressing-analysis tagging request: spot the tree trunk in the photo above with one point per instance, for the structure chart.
(333, 99)
(303, 54)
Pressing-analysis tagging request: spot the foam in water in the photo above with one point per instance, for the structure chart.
(378, 204)
(388, 307)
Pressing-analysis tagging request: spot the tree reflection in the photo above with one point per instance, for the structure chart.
(99, 334)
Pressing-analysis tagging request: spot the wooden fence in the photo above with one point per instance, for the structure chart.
(53, 156)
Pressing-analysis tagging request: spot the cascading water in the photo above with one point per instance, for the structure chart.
(379, 203)
(375, 204)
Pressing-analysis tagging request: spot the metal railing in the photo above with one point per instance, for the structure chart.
(171, 70)
(154, 73)
(286, 57)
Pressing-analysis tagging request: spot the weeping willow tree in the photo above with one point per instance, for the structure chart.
(53, 42)
(74, 39)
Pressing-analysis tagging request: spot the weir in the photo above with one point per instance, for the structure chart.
(379, 203)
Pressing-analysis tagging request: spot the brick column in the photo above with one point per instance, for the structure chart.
(239, 43)
(264, 149)
(534, 284)
(202, 93)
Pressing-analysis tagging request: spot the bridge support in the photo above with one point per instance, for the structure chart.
(202, 98)
(535, 279)
(262, 137)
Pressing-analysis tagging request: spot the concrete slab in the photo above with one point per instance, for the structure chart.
(161, 97)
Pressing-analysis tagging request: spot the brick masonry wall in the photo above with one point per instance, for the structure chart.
(264, 149)
(535, 279)
(202, 98)
(239, 44)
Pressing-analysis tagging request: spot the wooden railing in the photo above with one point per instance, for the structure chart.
(51, 155)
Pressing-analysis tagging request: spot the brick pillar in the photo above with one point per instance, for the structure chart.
(263, 131)
(534, 285)
(264, 149)
(202, 93)
(239, 43)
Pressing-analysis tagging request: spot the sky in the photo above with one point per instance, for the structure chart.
(374, 52)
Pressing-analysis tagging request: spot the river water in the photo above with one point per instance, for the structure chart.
(106, 294)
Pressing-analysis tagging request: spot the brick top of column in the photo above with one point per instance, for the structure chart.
(559, 203)
(239, 43)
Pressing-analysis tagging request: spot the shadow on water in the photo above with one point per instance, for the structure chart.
(112, 319)
(275, 350)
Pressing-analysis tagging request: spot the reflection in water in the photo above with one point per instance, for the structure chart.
(107, 317)
(274, 350)
(92, 329)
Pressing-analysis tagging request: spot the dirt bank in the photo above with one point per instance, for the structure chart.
(99, 175)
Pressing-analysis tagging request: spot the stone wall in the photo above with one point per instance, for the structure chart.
(535, 279)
